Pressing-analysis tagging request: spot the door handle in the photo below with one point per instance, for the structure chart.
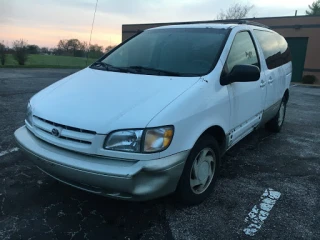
(263, 83)
(270, 80)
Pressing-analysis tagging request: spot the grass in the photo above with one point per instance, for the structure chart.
(48, 61)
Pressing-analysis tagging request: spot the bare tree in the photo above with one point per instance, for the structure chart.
(83, 46)
(109, 48)
(95, 51)
(63, 46)
(3, 55)
(71, 47)
(20, 48)
(44, 50)
(74, 45)
(236, 11)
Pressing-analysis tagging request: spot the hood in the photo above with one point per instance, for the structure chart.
(103, 101)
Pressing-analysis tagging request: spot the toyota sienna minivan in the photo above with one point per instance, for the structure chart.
(154, 115)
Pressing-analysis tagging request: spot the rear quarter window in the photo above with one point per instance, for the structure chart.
(275, 48)
(284, 49)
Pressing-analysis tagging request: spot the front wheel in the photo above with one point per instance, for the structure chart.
(275, 124)
(200, 171)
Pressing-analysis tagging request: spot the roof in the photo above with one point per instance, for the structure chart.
(198, 25)
(207, 21)
(219, 24)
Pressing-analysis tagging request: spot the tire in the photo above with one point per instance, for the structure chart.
(196, 183)
(276, 123)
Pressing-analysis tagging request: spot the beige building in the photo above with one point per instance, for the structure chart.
(302, 34)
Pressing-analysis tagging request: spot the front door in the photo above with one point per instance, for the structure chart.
(246, 98)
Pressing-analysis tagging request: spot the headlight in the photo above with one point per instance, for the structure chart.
(148, 140)
(29, 114)
(126, 140)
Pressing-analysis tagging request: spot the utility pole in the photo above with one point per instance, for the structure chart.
(94, 16)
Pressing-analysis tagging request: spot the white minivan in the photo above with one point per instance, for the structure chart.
(154, 115)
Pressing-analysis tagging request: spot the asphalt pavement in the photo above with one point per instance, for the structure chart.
(34, 206)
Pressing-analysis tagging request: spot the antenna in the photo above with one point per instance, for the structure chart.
(94, 16)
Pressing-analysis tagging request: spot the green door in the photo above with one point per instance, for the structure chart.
(298, 48)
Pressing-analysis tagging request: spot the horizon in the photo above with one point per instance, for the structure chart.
(45, 23)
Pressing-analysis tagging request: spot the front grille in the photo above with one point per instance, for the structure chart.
(65, 127)
(75, 140)
(66, 133)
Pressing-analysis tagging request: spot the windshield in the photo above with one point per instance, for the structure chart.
(174, 51)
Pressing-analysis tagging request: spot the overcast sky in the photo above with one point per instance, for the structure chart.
(44, 22)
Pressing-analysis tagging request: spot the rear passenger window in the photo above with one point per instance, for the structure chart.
(275, 48)
(242, 52)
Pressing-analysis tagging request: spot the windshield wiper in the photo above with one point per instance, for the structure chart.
(154, 70)
(108, 67)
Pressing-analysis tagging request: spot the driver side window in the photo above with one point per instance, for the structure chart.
(242, 52)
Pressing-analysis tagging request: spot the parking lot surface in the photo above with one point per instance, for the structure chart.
(286, 166)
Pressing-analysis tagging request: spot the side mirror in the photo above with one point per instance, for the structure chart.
(241, 73)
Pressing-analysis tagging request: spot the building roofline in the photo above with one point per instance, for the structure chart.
(215, 21)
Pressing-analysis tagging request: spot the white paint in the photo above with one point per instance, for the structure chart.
(260, 212)
(8, 151)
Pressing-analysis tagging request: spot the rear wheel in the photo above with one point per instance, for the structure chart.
(275, 124)
(200, 171)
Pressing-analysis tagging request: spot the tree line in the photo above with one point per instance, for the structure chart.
(67, 47)
(76, 48)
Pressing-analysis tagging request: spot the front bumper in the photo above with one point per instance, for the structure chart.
(117, 178)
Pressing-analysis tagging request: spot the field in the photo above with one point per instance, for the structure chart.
(49, 61)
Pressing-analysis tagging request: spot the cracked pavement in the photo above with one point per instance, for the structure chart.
(35, 206)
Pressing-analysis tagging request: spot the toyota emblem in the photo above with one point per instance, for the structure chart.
(55, 132)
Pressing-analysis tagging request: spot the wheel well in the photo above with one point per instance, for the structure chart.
(286, 95)
(218, 133)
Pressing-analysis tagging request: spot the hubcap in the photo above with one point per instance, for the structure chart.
(202, 170)
(281, 114)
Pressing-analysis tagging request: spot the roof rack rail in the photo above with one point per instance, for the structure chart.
(253, 23)
(236, 21)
